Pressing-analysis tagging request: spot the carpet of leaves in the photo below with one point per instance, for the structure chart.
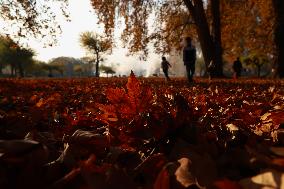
(141, 133)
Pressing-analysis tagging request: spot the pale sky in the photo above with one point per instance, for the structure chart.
(82, 19)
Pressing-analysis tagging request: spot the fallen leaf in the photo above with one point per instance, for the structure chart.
(269, 179)
(183, 174)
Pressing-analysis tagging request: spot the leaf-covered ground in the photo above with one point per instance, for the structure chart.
(141, 133)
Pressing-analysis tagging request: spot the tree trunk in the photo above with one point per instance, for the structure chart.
(258, 71)
(206, 40)
(1, 67)
(278, 36)
(97, 65)
(12, 70)
(21, 70)
(216, 30)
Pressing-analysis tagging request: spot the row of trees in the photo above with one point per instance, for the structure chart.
(17, 57)
(69, 66)
(21, 63)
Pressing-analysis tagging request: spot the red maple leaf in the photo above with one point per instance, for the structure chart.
(126, 104)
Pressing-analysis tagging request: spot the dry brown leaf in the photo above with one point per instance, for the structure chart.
(270, 179)
(183, 174)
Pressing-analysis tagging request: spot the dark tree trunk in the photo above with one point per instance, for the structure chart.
(97, 69)
(216, 30)
(97, 65)
(279, 36)
(12, 70)
(258, 70)
(203, 32)
(207, 43)
(1, 67)
(21, 70)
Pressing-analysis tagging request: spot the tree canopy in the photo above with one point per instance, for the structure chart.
(33, 18)
(107, 69)
(14, 55)
(95, 44)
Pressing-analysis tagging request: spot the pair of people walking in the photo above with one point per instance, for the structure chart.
(189, 58)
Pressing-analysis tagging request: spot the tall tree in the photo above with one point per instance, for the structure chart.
(97, 45)
(210, 42)
(136, 14)
(216, 33)
(279, 35)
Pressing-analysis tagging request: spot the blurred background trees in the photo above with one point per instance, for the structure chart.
(260, 64)
(17, 57)
(107, 70)
(18, 61)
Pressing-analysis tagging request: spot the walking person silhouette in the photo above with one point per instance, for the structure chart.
(237, 67)
(189, 58)
(165, 66)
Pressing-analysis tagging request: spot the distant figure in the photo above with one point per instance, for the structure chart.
(273, 73)
(210, 69)
(189, 58)
(165, 66)
(237, 67)
(50, 74)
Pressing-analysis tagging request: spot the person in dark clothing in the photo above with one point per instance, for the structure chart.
(237, 67)
(210, 69)
(189, 58)
(165, 66)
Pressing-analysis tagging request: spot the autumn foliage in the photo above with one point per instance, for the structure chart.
(140, 133)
